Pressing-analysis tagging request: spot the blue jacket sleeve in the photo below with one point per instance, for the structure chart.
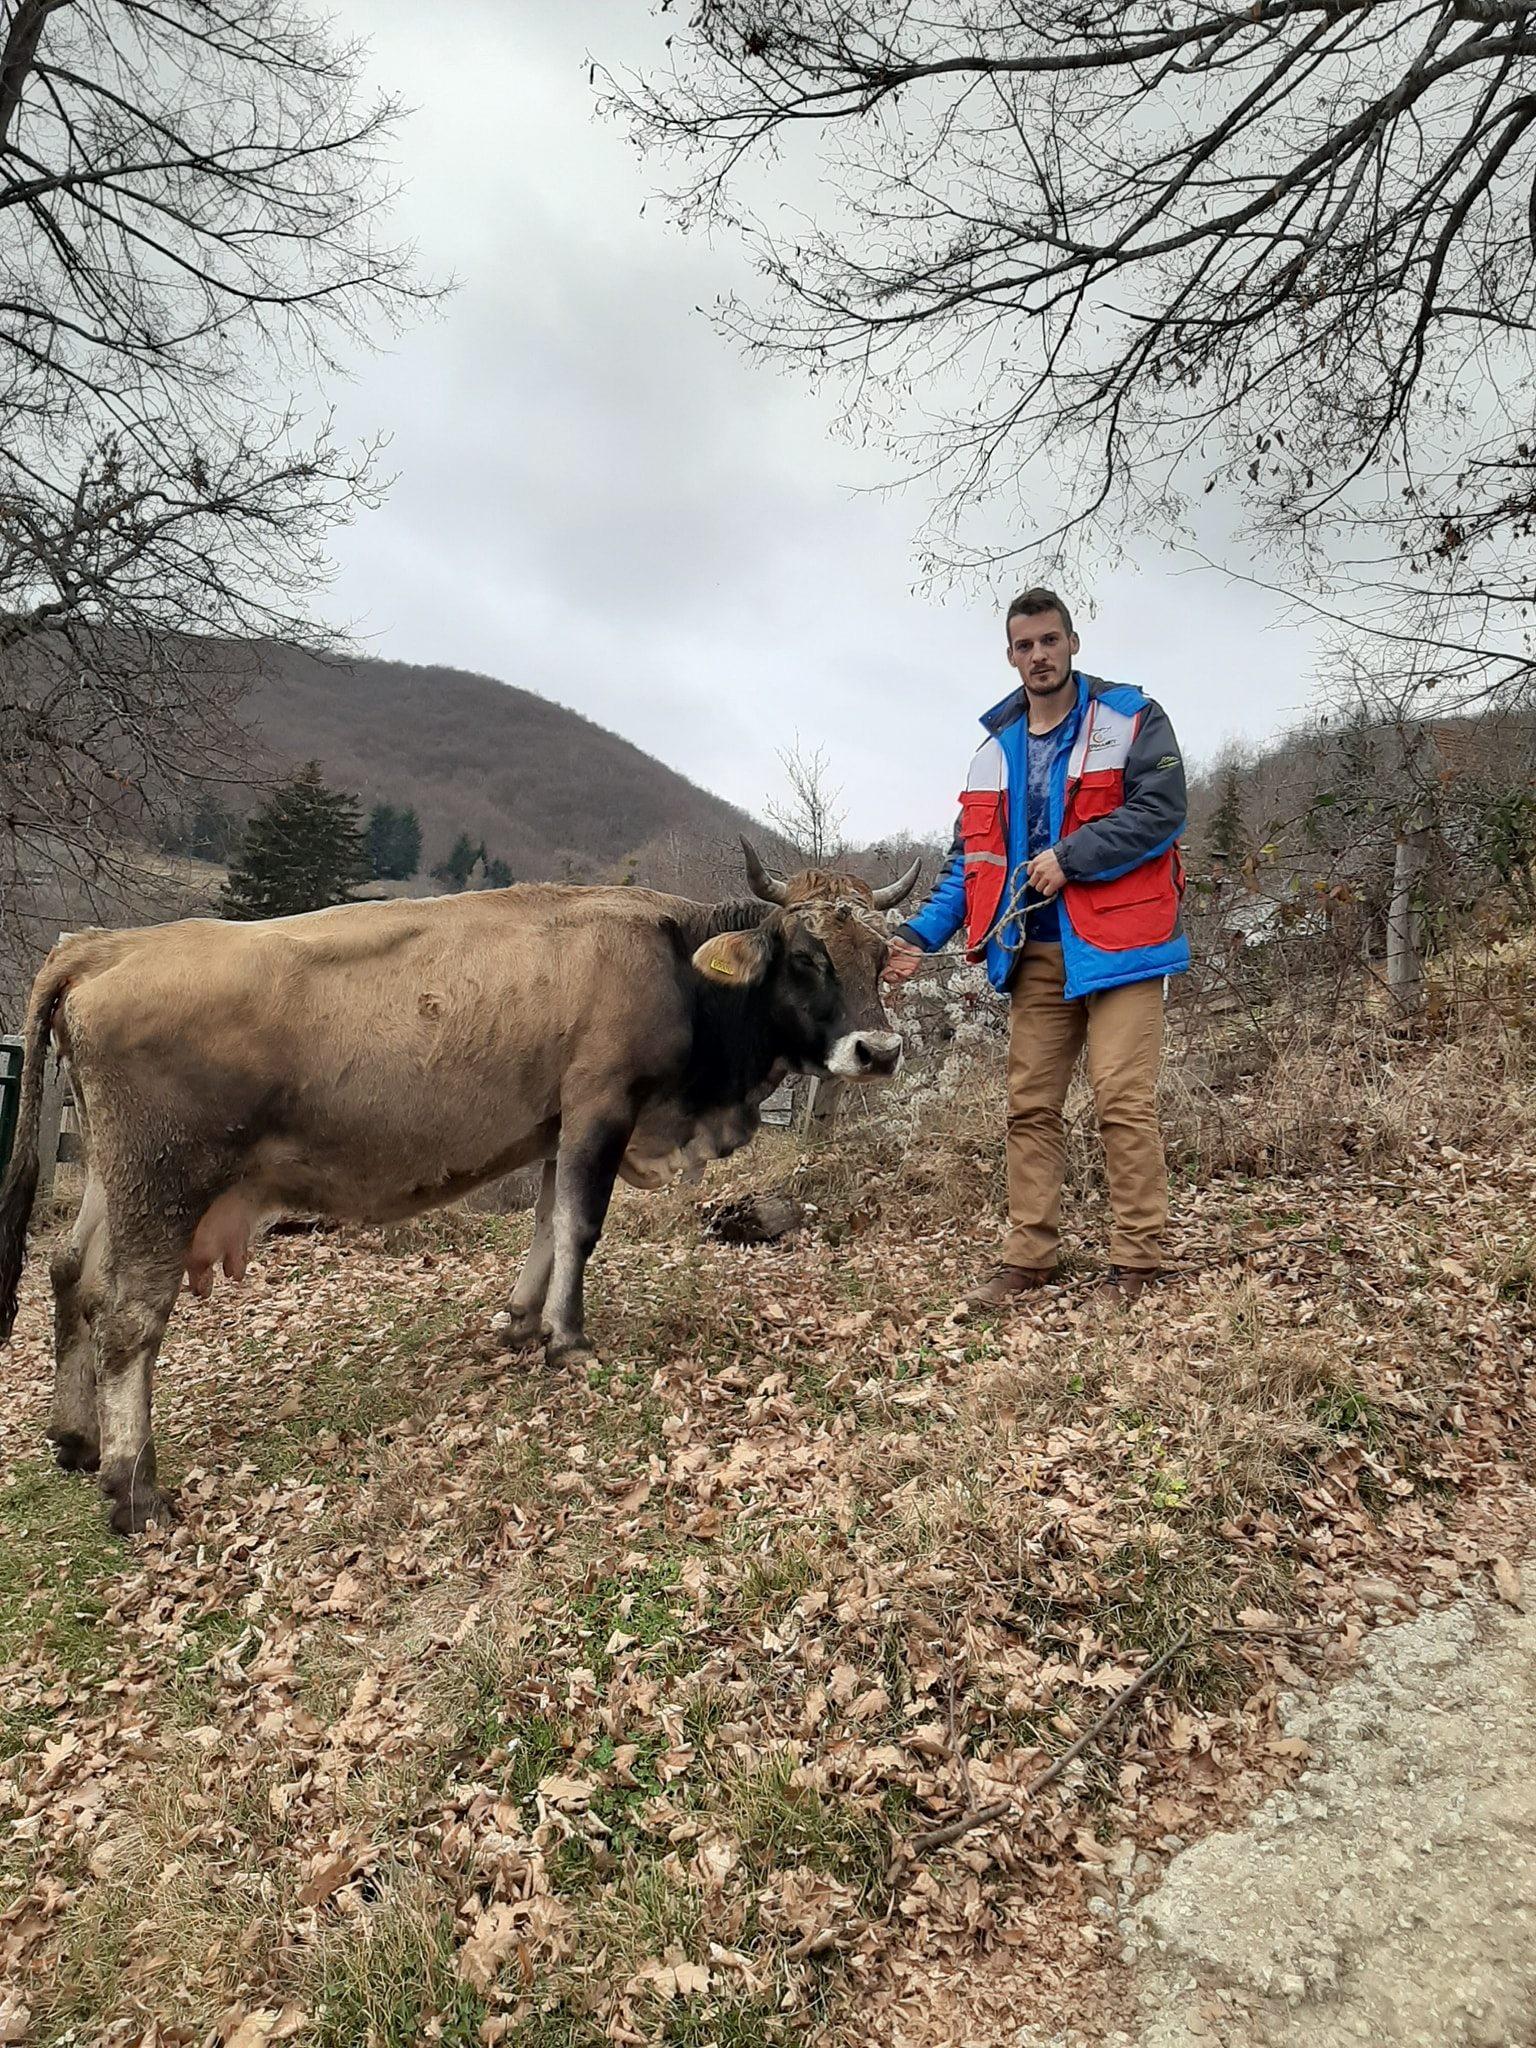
(937, 920)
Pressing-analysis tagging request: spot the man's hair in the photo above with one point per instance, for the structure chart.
(1029, 602)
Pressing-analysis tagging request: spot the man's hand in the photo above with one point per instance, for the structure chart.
(902, 963)
(1045, 875)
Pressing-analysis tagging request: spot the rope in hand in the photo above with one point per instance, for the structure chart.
(1017, 906)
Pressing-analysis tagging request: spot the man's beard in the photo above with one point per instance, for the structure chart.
(1036, 688)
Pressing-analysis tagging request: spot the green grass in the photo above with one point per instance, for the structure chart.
(347, 1397)
(1345, 1410)
(559, 2028)
(58, 1566)
(739, 2024)
(481, 1722)
(780, 1824)
(386, 1979)
(193, 1686)
(1145, 1597)
(772, 1584)
(648, 1605)
(1512, 1270)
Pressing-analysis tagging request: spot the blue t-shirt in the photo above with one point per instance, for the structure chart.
(1044, 925)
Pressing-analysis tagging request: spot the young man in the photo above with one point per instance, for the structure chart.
(1066, 876)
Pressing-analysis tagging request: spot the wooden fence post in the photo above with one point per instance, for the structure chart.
(51, 1122)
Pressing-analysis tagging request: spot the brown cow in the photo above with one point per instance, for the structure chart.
(379, 1059)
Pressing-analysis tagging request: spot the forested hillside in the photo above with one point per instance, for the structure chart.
(548, 791)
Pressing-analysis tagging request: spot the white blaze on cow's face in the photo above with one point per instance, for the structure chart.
(835, 947)
(863, 1046)
(865, 1056)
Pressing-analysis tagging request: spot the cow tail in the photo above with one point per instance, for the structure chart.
(19, 1190)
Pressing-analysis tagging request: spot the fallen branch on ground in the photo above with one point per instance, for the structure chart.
(939, 1838)
(981, 1816)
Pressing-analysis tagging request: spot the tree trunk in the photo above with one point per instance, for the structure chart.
(1405, 965)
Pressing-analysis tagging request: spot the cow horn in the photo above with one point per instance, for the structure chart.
(763, 884)
(894, 892)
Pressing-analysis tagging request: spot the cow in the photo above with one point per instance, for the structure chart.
(375, 1060)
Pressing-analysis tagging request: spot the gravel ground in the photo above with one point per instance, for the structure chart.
(1389, 1896)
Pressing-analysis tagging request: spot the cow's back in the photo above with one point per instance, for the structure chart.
(358, 1058)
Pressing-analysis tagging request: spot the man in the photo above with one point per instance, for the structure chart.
(1065, 875)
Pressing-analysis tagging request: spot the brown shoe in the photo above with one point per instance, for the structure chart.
(1003, 1286)
(1124, 1283)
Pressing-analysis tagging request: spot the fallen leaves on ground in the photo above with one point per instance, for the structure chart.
(479, 1701)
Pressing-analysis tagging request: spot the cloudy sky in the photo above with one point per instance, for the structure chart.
(597, 497)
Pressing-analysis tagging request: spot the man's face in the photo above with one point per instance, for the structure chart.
(1041, 651)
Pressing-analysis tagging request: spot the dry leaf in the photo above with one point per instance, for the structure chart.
(494, 1939)
(1506, 1583)
(254, 2029)
(328, 1873)
(347, 1595)
(870, 1704)
(566, 1791)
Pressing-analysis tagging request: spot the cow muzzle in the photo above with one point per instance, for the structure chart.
(865, 1056)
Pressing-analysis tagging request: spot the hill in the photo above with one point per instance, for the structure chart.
(551, 793)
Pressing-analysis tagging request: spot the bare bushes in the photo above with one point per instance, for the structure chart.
(1312, 1069)
(1304, 1072)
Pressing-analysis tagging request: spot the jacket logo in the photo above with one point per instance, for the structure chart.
(1100, 741)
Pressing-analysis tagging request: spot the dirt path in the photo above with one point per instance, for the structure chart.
(1389, 1896)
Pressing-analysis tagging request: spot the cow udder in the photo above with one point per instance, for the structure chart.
(223, 1238)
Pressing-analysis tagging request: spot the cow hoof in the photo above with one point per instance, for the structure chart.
(132, 1518)
(574, 1351)
(76, 1453)
(518, 1329)
(136, 1500)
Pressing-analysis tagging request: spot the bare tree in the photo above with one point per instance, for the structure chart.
(810, 816)
(1130, 253)
(190, 196)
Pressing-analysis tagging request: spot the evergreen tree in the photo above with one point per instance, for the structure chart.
(497, 875)
(301, 851)
(394, 843)
(1226, 835)
(407, 844)
(383, 829)
(460, 864)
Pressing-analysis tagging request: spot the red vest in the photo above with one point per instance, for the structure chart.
(1137, 909)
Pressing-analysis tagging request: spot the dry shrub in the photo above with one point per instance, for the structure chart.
(1309, 1081)
(1314, 1077)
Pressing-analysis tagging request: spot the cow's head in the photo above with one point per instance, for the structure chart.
(818, 959)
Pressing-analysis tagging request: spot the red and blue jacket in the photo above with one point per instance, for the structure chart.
(1117, 808)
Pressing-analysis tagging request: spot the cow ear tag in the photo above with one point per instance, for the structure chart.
(735, 957)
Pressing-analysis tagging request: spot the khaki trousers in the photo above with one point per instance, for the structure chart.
(1123, 1030)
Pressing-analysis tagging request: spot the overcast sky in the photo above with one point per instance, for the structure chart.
(600, 499)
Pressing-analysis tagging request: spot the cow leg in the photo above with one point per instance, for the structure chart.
(76, 1275)
(137, 1295)
(526, 1305)
(584, 1175)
